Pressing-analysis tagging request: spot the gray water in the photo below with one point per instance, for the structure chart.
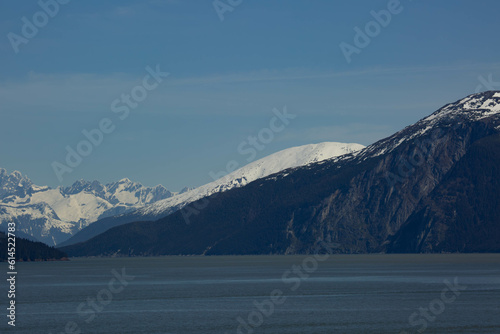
(338, 294)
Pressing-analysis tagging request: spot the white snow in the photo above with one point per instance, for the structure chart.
(289, 158)
(74, 207)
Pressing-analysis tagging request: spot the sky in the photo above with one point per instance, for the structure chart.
(169, 91)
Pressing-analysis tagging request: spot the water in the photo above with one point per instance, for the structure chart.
(341, 294)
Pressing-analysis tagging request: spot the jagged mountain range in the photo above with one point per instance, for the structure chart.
(53, 215)
(431, 187)
(288, 158)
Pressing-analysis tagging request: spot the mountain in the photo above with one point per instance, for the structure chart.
(27, 250)
(288, 158)
(431, 187)
(53, 215)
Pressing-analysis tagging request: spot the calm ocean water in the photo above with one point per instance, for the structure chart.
(260, 294)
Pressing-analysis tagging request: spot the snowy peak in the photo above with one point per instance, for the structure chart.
(13, 180)
(185, 190)
(473, 108)
(14, 184)
(288, 158)
(124, 192)
(94, 187)
(134, 193)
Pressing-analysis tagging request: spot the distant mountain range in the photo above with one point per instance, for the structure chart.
(53, 215)
(288, 158)
(431, 187)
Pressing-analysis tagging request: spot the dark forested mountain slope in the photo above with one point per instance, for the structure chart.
(26, 250)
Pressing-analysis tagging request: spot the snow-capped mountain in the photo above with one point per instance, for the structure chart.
(472, 108)
(288, 158)
(442, 196)
(53, 215)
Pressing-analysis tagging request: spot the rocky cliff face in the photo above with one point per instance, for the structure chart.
(462, 214)
(398, 195)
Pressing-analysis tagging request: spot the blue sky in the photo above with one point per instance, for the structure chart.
(225, 78)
